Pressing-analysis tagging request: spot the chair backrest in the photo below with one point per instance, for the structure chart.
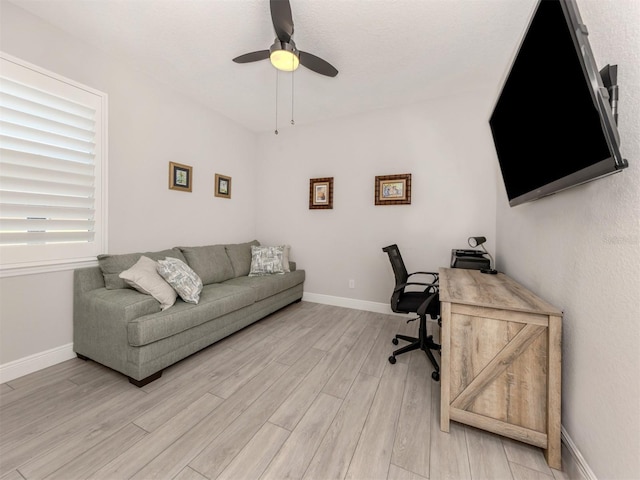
(399, 270)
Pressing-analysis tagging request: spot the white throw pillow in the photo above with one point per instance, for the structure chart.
(266, 260)
(285, 258)
(144, 277)
(182, 278)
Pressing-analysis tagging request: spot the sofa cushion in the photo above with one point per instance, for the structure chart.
(268, 285)
(113, 265)
(211, 263)
(216, 300)
(240, 257)
(182, 278)
(144, 277)
(266, 260)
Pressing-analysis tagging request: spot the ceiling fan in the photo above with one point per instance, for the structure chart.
(283, 53)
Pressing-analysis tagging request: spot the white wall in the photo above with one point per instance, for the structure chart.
(149, 126)
(446, 146)
(580, 250)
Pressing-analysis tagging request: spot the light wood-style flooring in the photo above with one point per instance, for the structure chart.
(306, 393)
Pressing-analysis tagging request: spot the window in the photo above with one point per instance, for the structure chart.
(52, 170)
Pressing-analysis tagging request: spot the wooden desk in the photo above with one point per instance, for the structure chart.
(501, 359)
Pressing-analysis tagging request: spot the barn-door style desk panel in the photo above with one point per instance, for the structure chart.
(501, 359)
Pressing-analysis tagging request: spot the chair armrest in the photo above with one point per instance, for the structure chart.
(434, 274)
(400, 287)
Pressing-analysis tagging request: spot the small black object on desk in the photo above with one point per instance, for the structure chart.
(491, 271)
(469, 259)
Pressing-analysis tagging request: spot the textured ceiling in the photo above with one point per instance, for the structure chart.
(388, 52)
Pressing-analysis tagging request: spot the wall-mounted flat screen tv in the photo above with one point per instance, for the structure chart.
(553, 125)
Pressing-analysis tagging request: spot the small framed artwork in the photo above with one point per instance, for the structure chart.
(223, 186)
(321, 193)
(180, 177)
(393, 189)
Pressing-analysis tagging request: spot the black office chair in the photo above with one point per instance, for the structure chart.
(424, 301)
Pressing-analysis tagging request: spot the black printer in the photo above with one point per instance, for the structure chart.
(470, 259)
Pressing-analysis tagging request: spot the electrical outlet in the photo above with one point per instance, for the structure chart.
(352, 283)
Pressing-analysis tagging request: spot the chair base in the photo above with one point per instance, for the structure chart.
(424, 342)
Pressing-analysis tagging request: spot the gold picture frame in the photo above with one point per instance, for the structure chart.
(393, 189)
(321, 193)
(223, 186)
(180, 177)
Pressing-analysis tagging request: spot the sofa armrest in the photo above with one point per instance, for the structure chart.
(100, 319)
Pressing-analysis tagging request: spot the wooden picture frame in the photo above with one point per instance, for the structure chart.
(223, 186)
(180, 177)
(393, 189)
(321, 193)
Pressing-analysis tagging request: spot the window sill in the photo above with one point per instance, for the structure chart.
(46, 267)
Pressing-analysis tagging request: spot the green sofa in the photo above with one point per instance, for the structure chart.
(127, 331)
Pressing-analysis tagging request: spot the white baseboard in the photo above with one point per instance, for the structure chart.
(348, 303)
(573, 463)
(33, 363)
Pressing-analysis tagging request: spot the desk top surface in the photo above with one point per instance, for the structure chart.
(471, 287)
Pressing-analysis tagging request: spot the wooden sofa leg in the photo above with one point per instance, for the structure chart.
(137, 383)
(145, 381)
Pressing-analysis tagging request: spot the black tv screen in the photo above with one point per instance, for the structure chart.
(552, 125)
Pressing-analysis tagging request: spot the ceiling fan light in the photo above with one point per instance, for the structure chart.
(284, 60)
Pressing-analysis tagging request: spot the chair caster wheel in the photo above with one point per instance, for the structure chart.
(435, 376)
(394, 341)
(392, 359)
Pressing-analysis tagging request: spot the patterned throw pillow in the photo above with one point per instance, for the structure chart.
(144, 277)
(266, 260)
(182, 278)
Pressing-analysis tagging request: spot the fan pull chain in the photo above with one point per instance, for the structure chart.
(277, 75)
(293, 72)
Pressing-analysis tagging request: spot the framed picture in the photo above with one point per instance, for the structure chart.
(393, 189)
(321, 193)
(223, 186)
(180, 177)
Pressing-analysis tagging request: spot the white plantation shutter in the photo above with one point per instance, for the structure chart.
(52, 160)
